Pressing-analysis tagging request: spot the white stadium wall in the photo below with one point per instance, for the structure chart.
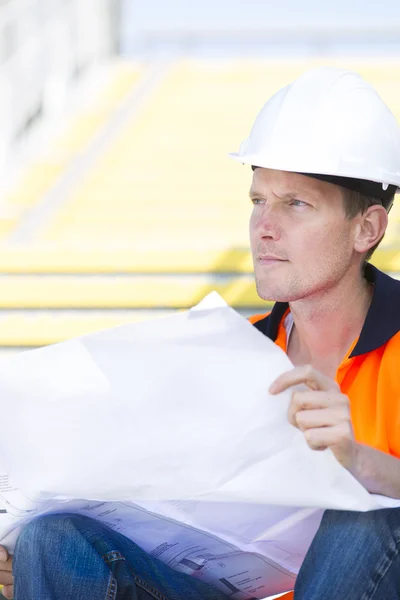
(44, 46)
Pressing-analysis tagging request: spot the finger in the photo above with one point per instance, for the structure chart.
(308, 401)
(322, 438)
(5, 571)
(305, 374)
(4, 556)
(6, 566)
(8, 591)
(325, 417)
(6, 577)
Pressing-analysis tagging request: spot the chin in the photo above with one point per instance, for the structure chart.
(275, 293)
(271, 295)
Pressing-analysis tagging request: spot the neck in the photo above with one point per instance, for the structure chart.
(326, 324)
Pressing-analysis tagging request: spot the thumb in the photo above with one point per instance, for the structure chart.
(3, 554)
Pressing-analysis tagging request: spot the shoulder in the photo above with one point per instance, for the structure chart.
(391, 354)
(380, 367)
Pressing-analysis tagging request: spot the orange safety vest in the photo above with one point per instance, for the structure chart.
(369, 372)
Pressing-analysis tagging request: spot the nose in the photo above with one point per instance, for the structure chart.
(265, 224)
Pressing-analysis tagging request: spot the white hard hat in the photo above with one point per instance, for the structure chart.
(329, 122)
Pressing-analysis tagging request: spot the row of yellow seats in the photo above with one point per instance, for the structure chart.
(97, 259)
(122, 291)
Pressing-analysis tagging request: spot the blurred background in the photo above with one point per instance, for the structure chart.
(118, 201)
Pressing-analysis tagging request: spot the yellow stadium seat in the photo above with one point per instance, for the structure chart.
(158, 291)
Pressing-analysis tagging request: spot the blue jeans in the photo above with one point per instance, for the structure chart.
(354, 556)
(72, 557)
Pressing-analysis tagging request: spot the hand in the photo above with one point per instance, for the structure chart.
(322, 412)
(6, 577)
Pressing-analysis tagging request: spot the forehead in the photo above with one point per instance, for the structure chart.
(286, 183)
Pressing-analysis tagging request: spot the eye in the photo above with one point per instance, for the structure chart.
(257, 201)
(296, 202)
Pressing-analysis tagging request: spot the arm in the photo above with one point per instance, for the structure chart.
(322, 412)
(377, 471)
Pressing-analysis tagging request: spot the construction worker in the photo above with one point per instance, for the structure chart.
(326, 158)
(325, 153)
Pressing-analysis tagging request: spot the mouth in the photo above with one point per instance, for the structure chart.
(269, 260)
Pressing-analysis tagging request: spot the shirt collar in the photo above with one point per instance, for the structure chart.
(382, 321)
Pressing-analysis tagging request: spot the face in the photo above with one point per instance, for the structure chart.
(301, 241)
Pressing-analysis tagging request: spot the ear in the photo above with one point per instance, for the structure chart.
(371, 227)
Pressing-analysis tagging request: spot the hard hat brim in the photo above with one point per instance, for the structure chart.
(254, 160)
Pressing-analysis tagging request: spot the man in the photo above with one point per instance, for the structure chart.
(325, 153)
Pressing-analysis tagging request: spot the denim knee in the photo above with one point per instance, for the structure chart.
(353, 555)
(48, 532)
(381, 523)
(56, 558)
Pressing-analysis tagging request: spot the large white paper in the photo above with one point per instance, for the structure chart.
(164, 430)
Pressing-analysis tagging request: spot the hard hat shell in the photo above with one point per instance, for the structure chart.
(330, 122)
